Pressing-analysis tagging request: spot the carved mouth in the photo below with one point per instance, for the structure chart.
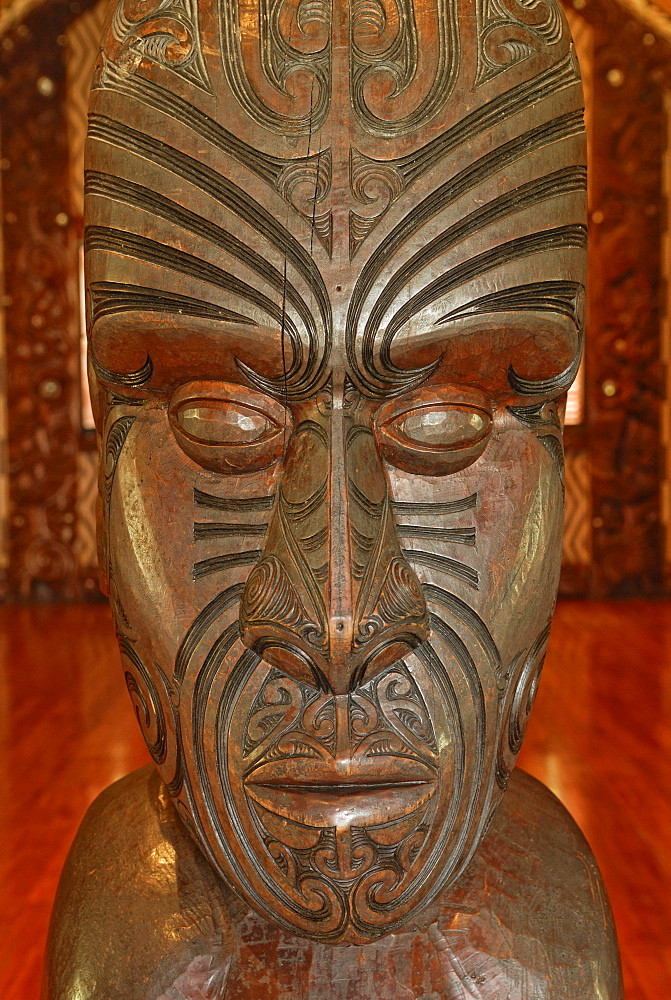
(325, 798)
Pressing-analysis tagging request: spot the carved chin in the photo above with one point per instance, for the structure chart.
(337, 817)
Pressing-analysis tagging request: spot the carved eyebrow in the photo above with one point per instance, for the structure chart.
(253, 214)
(560, 128)
(559, 238)
(153, 252)
(536, 296)
(560, 182)
(109, 298)
(137, 196)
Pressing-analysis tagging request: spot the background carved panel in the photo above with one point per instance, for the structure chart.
(628, 72)
(41, 230)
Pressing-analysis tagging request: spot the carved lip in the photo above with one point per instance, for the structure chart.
(323, 796)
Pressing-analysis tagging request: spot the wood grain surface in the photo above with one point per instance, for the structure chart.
(599, 736)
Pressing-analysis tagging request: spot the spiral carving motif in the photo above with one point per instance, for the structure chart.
(305, 184)
(278, 98)
(400, 600)
(373, 183)
(165, 32)
(401, 597)
(386, 47)
(154, 713)
(270, 597)
(512, 30)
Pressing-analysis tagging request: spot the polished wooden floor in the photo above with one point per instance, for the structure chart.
(600, 737)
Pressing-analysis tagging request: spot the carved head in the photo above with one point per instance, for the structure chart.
(335, 262)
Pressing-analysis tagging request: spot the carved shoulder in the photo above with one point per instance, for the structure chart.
(531, 918)
(138, 910)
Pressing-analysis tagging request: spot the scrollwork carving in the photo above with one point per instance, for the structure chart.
(400, 600)
(305, 184)
(152, 696)
(267, 62)
(376, 184)
(165, 32)
(387, 63)
(512, 30)
(357, 863)
(270, 597)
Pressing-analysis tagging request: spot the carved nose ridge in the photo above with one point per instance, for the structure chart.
(332, 600)
(276, 624)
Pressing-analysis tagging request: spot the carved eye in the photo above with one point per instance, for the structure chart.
(227, 428)
(449, 427)
(432, 436)
(222, 422)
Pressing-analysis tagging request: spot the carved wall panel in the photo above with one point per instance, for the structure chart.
(83, 42)
(577, 543)
(627, 74)
(41, 233)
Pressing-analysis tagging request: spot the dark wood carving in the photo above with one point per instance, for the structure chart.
(335, 287)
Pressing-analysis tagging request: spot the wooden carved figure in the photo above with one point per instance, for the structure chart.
(335, 257)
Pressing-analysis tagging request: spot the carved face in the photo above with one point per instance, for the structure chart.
(335, 273)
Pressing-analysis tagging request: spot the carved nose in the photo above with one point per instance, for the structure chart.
(332, 600)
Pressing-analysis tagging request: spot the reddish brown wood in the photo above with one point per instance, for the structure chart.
(601, 742)
(330, 321)
(65, 733)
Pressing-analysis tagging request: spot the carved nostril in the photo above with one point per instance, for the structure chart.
(384, 656)
(292, 661)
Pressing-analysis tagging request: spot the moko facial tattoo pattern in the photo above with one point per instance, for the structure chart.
(335, 262)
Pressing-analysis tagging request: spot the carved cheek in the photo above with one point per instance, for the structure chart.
(170, 553)
(490, 535)
(520, 527)
(150, 535)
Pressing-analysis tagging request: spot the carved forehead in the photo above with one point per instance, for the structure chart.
(356, 176)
